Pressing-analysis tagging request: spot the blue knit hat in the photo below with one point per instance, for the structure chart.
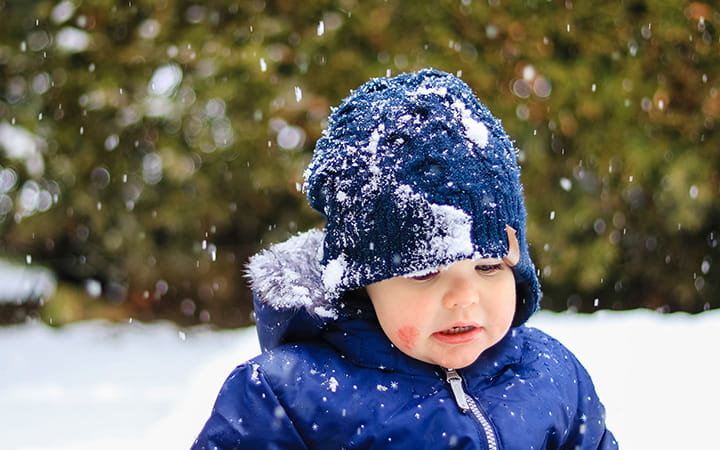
(414, 173)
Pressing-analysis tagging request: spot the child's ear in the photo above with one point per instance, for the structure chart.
(513, 255)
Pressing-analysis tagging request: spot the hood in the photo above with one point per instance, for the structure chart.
(288, 292)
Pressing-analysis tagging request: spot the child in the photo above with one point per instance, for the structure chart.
(400, 325)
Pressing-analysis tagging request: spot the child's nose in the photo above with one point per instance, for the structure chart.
(460, 294)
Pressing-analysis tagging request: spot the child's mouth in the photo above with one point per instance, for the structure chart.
(458, 334)
(457, 330)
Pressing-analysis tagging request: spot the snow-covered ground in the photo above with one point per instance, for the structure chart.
(95, 385)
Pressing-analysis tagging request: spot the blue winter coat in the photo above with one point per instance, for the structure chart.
(328, 379)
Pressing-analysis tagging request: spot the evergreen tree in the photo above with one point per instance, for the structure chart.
(149, 147)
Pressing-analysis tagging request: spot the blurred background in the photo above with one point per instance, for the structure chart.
(148, 147)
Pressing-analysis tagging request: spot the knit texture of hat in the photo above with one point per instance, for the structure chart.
(414, 173)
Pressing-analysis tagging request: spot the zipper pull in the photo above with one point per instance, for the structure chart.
(455, 381)
(466, 403)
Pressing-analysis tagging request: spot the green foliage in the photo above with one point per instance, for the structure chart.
(170, 147)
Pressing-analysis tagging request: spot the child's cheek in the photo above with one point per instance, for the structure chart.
(407, 336)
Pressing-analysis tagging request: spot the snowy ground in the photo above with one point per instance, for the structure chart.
(95, 385)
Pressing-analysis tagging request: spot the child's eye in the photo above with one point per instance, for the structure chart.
(489, 268)
(426, 276)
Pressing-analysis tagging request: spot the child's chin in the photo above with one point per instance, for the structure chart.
(458, 361)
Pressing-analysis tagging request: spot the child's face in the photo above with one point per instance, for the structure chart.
(450, 317)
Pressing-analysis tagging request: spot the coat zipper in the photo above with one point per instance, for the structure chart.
(466, 403)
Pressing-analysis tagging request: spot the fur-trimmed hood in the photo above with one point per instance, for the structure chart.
(288, 292)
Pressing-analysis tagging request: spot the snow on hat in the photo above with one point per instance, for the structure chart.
(414, 173)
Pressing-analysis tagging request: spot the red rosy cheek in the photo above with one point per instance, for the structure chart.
(408, 335)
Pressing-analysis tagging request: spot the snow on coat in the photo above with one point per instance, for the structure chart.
(329, 378)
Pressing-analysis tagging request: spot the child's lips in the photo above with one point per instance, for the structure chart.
(458, 334)
(457, 330)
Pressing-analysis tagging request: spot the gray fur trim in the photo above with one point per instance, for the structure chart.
(288, 275)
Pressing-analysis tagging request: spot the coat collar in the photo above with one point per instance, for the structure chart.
(364, 344)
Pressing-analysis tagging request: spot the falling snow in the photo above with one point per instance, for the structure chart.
(72, 40)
